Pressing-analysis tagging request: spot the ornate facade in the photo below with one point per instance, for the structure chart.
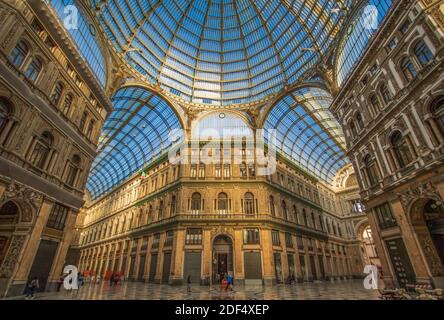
(391, 109)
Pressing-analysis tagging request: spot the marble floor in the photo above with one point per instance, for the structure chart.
(339, 290)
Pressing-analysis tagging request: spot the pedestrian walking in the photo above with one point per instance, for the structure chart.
(189, 284)
(32, 286)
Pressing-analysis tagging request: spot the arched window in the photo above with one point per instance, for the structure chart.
(41, 150)
(295, 214)
(423, 53)
(385, 93)
(271, 205)
(34, 69)
(83, 121)
(67, 104)
(19, 53)
(438, 114)
(196, 202)
(359, 121)
(284, 210)
(400, 149)
(73, 170)
(304, 215)
(5, 113)
(9, 209)
(160, 213)
(173, 206)
(408, 69)
(90, 130)
(353, 129)
(56, 93)
(374, 104)
(371, 170)
(222, 203)
(249, 206)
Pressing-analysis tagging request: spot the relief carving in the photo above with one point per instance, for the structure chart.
(12, 256)
(28, 200)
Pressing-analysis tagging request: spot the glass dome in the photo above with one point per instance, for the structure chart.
(220, 52)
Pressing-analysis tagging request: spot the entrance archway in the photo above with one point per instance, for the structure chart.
(222, 257)
(9, 217)
(427, 218)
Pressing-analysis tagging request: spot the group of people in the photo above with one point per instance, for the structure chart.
(226, 281)
(115, 278)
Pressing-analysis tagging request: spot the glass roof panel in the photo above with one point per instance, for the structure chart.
(84, 36)
(358, 35)
(221, 52)
(135, 134)
(307, 133)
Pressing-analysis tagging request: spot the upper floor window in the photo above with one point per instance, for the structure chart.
(371, 170)
(400, 149)
(5, 113)
(67, 104)
(222, 202)
(359, 121)
(275, 238)
(374, 103)
(196, 202)
(251, 236)
(56, 93)
(57, 217)
(385, 216)
(248, 203)
(73, 170)
(408, 69)
(284, 210)
(288, 240)
(90, 130)
(83, 121)
(19, 53)
(271, 204)
(423, 53)
(34, 69)
(385, 93)
(173, 205)
(438, 113)
(194, 236)
(160, 212)
(41, 150)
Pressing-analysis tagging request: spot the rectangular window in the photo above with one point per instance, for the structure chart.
(194, 236)
(251, 236)
(156, 241)
(169, 238)
(227, 172)
(57, 217)
(385, 216)
(193, 172)
(288, 240)
(300, 242)
(218, 172)
(275, 238)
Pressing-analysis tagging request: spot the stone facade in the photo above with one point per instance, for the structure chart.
(391, 109)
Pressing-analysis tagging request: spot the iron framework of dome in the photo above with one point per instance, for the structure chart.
(222, 53)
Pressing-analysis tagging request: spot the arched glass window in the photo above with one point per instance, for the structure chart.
(5, 113)
(371, 169)
(73, 170)
(173, 205)
(67, 104)
(83, 121)
(34, 69)
(222, 202)
(408, 69)
(41, 150)
(271, 205)
(19, 53)
(249, 207)
(438, 113)
(56, 93)
(385, 93)
(196, 202)
(400, 149)
(423, 53)
(284, 210)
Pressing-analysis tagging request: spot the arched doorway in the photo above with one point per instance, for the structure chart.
(9, 215)
(222, 257)
(427, 217)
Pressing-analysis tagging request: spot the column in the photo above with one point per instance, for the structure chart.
(267, 257)
(239, 274)
(177, 258)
